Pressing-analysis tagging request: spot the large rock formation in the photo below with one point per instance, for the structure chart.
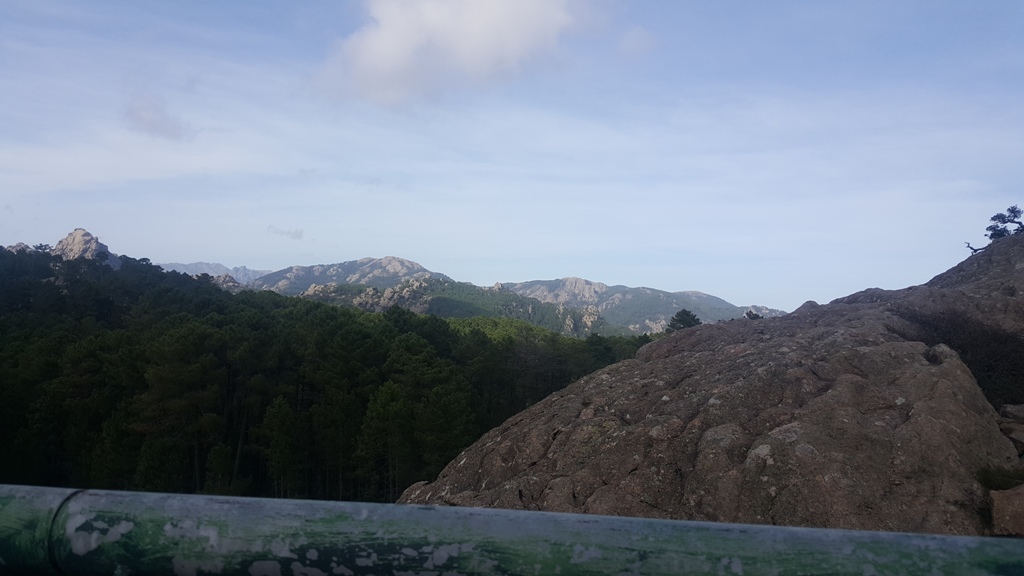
(81, 244)
(848, 415)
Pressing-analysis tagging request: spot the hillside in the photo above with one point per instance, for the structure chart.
(136, 378)
(876, 411)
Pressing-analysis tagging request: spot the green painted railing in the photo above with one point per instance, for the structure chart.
(81, 532)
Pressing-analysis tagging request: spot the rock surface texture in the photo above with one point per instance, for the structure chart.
(832, 416)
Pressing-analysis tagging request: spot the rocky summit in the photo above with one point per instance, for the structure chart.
(81, 244)
(380, 273)
(863, 414)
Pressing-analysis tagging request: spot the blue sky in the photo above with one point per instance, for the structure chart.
(763, 152)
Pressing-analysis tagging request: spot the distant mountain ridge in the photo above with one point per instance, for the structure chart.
(386, 272)
(599, 306)
(447, 298)
(639, 309)
(241, 274)
(569, 305)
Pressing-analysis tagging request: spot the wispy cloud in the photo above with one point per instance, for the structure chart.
(148, 113)
(293, 234)
(415, 48)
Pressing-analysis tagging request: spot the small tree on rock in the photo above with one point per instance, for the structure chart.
(998, 227)
(683, 319)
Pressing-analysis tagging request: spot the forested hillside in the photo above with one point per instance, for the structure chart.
(149, 380)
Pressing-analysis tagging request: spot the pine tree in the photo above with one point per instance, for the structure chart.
(998, 227)
(683, 319)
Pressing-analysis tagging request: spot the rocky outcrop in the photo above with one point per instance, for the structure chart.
(832, 416)
(81, 244)
(411, 295)
(228, 282)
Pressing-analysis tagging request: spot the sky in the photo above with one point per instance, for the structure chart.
(764, 152)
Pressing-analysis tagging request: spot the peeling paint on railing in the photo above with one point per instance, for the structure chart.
(61, 531)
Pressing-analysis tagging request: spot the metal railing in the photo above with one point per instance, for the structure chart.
(82, 532)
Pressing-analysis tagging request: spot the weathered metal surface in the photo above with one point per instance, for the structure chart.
(54, 531)
(26, 516)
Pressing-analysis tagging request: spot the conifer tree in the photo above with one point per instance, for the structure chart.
(683, 319)
(998, 227)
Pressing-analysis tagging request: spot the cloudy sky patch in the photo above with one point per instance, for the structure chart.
(408, 49)
(295, 234)
(765, 154)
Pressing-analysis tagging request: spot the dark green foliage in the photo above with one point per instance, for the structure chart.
(999, 221)
(995, 356)
(682, 319)
(146, 380)
(751, 315)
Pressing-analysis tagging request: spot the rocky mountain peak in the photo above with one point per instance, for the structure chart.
(81, 244)
(856, 414)
(20, 247)
(379, 273)
(570, 291)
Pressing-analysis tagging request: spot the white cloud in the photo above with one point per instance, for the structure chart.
(293, 234)
(414, 48)
(148, 113)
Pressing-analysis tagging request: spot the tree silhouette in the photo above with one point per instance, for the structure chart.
(998, 227)
(683, 319)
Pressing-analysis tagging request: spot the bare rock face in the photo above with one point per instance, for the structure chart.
(1008, 512)
(81, 244)
(570, 291)
(227, 282)
(832, 416)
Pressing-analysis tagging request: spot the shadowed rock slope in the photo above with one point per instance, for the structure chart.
(854, 414)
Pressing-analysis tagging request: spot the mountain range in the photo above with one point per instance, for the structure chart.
(569, 305)
(241, 274)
